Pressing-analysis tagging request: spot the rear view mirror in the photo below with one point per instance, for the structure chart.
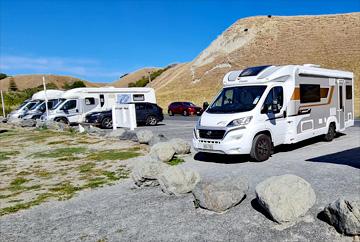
(275, 107)
(205, 105)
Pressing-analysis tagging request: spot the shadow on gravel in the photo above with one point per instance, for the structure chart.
(347, 157)
(219, 158)
(255, 205)
(301, 144)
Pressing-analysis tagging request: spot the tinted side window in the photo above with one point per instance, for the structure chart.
(276, 93)
(138, 97)
(150, 106)
(309, 93)
(89, 101)
(348, 92)
(102, 100)
(70, 105)
(140, 106)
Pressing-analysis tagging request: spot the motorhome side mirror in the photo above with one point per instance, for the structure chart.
(205, 105)
(274, 107)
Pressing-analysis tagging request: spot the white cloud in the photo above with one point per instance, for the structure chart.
(89, 68)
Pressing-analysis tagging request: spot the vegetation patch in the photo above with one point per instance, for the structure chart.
(175, 161)
(5, 155)
(60, 152)
(112, 155)
(86, 167)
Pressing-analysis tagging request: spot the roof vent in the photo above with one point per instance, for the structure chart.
(311, 65)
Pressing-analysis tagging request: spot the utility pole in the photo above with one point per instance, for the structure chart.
(46, 100)
(149, 76)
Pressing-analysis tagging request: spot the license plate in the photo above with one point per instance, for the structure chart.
(208, 146)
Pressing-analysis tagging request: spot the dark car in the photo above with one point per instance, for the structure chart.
(146, 113)
(184, 108)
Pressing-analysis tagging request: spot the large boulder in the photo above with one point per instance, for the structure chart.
(14, 121)
(157, 138)
(220, 195)
(177, 181)
(115, 133)
(144, 136)
(28, 123)
(147, 173)
(344, 216)
(285, 197)
(163, 151)
(129, 135)
(181, 146)
(92, 130)
(49, 124)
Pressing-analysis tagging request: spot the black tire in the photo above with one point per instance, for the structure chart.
(62, 120)
(106, 123)
(170, 113)
(261, 148)
(186, 113)
(151, 121)
(330, 135)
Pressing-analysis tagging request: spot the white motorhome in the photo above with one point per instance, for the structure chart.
(78, 102)
(265, 106)
(33, 104)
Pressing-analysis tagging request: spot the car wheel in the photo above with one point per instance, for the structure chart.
(186, 113)
(106, 123)
(330, 135)
(170, 113)
(151, 120)
(261, 147)
(62, 120)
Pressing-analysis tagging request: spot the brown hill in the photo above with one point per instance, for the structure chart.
(329, 40)
(133, 77)
(29, 81)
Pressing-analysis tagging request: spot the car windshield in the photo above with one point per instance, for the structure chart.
(237, 99)
(22, 105)
(36, 106)
(30, 105)
(62, 100)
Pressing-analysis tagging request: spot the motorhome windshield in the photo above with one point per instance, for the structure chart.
(29, 105)
(237, 99)
(36, 106)
(22, 105)
(62, 100)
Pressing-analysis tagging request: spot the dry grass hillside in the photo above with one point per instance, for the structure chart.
(133, 77)
(30, 81)
(333, 41)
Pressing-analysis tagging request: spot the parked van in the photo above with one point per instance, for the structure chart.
(78, 102)
(33, 103)
(265, 106)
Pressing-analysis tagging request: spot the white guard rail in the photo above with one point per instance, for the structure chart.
(124, 116)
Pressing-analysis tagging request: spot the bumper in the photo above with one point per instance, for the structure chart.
(236, 141)
(94, 121)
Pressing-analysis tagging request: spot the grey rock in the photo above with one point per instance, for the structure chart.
(144, 136)
(157, 138)
(285, 197)
(28, 123)
(129, 135)
(49, 124)
(14, 121)
(40, 124)
(3, 120)
(181, 146)
(115, 133)
(163, 151)
(95, 131)
(146, 173)
(344, 216)
(177, 181)
(220, 195)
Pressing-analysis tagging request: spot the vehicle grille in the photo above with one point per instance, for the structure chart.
(211, 134)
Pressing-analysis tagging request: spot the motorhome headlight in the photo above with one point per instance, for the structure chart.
(240, 121)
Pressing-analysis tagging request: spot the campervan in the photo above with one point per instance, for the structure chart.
(32, 106)
(78, 102)
(265, 106)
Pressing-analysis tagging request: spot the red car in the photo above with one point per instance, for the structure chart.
(184, 108)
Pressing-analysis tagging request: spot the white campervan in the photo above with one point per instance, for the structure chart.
(265, 106)
(78, 102)
(35, 104)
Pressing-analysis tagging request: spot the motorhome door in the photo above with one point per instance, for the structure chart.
(340, 114)
(71, 110)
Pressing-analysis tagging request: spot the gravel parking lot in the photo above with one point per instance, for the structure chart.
(121, 212)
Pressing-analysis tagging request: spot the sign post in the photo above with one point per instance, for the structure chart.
(46, 100)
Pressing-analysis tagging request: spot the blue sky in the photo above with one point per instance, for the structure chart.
(101, 40)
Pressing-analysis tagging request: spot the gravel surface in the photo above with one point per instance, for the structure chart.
(124, 213)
